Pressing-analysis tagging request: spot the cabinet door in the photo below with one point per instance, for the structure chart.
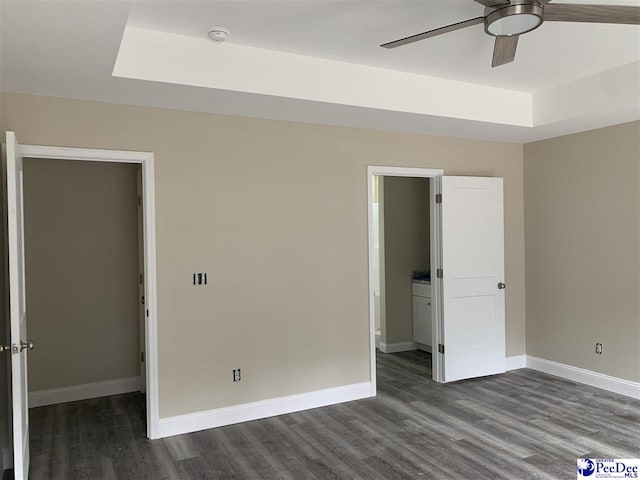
(422, 320)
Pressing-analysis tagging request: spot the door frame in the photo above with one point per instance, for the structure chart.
(436, 260)
(146, 160)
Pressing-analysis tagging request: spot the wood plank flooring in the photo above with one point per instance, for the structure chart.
(522, 425)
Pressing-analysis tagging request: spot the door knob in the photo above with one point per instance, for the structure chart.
(501, 286)
(4, 348)
(29, 344)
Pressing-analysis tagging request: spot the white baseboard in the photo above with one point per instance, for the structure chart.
(398, 347)
(219, 417)
(588, 377)
(515, 362)
(53, 396)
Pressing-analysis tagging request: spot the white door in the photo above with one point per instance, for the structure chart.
(17, 310)
(473, 275)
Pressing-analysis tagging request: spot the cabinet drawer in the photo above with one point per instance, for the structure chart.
(421, 289)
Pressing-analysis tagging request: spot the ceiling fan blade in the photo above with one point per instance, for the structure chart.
(558, 12)
(504, 50)
(433, 33)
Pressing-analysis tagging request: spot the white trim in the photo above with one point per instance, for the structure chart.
(53, 396)
(378, 336)
(146, 160)
(84, 154)
(151, 297)
(372, 286)
(437, 313)
(515, 362)
(219, 417)
(587, 377)
(372, 171)
(398, 347)
(404, 172)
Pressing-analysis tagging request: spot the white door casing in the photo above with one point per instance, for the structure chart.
(146, 160)
(387, 171)
(14, 184)
(17, 308)
(473, 311)
(141, 285)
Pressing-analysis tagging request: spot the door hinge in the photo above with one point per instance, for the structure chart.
(141, 357)
(439, 273)
(142, 300)
(438, 198)
(139, 200)
(440, 348)
(141, 279)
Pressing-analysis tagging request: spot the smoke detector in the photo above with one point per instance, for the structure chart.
(218, 34)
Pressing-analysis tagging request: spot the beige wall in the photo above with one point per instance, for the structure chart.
(582, 205)
(406, 249)
(81, 249)
(276, 214)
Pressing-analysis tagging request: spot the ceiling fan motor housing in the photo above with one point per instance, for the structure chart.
(513, 18)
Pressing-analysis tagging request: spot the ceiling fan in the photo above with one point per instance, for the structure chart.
(508, 19)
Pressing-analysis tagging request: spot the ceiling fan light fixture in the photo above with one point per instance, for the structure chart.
(513, 20)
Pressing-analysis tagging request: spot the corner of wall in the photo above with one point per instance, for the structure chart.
(565, 179)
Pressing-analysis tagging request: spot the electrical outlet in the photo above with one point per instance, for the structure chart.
(599, 348)
(236, 375)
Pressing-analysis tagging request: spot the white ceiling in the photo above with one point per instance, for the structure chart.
(68, 49)
(351, 31)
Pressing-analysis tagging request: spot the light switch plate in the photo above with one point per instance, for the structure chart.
(199, 278)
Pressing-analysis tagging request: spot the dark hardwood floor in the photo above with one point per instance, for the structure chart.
(520, 425)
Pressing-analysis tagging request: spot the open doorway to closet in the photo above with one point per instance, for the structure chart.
(84, 264)
(79, 286)
(83, 279)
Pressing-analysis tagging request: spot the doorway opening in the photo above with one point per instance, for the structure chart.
(84, 292)
(402, 260)
(93, 279)
(441, 292)
(83, 278)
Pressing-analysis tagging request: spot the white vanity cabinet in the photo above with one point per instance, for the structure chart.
(421, 313)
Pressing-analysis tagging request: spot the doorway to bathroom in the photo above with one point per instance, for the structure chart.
(436, 272)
